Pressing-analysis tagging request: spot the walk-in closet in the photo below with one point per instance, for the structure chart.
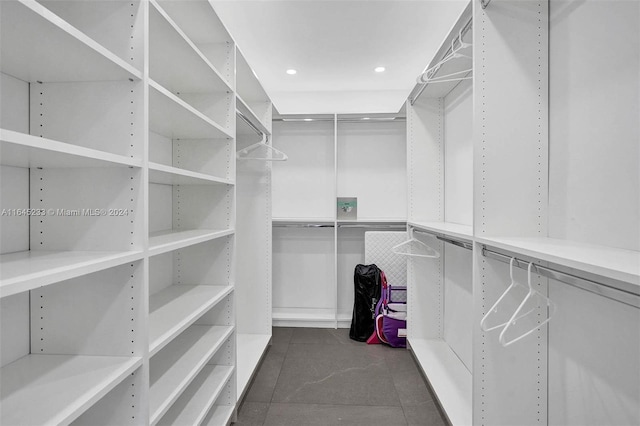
(189, 190)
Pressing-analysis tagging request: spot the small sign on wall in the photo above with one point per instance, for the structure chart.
(347, 208)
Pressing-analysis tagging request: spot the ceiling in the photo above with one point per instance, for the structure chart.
(335, 45)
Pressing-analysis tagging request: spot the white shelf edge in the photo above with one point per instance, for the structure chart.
(191, 44)
(167, 336)
(463, 232)
(219, 415)
(52, 146)
(204, 179)
(83, 402)
(372, 220)
(607, 262)
(250, 349)
(81, 37)
(201, 236)
(163, 91)
(213, 388)
(448, 376)
(160, 411)
(29, 281)
(244, 108)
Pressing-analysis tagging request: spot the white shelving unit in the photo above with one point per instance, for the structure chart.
(331, 156)
(254, 291)
(120, 280)
(440, 185)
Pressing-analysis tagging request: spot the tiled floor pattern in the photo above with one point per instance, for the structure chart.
(320, 377)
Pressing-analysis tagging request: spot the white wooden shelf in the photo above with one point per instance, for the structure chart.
(322, 220)
(194, 403)
(250, 350)
(248, 112)
(38, 45)
(174, 118)
(448, 376)
(608, 262)
(164, 241)
(176, 307)
(455, 230)
(219, 415)
(373, 221)
(176, 62)
(26, 270)
(173, 369)
(23, 150)
(168, 175)
(56, 389)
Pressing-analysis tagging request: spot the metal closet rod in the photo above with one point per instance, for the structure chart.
(249, 123)
(343, 120)
(303, 225)
(453, 241)
(371, 226)
(626, 297)
(465, 29)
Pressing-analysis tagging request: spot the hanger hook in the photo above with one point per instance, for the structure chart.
(529, 274)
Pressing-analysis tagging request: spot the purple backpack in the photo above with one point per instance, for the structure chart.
(391, 316)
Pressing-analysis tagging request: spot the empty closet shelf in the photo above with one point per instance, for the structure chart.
(56, 389)
(164, 241)
(39, 46)
(455, 230)
(26, 270)
(448, 376)
(196, 401)
(23, 150)
(176, 307)
(608, 262)
(219, 415)
(250, 349)
(174, 118)
(174, 368)
(168, 175)
(175, 61)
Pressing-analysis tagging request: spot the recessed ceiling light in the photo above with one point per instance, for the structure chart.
(379, 69)
(291, 71)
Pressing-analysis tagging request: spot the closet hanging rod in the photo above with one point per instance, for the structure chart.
(371, 226)
(249, 123)
(626, 297)
(465, 29)
(302, 225)
(464, 244)
(341, 120)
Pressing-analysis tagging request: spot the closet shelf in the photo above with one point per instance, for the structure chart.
(248, 112)
(194, 403)
(250, 349)
(176, 307)
(448, 377)
(174, 118)
(176, 61)
(608, 262)
(174, 368)
(164, 241)
(455, 230)
(26, 270)
(168, 175)
(23, 150)
(219, 415)
(37, 45)
(56, 389)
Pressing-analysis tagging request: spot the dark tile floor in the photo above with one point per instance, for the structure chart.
(320, 377)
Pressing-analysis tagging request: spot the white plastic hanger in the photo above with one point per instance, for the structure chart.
(261, 151)
(415, 248)
(495, 309)
(517, 315)
(427, 76)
